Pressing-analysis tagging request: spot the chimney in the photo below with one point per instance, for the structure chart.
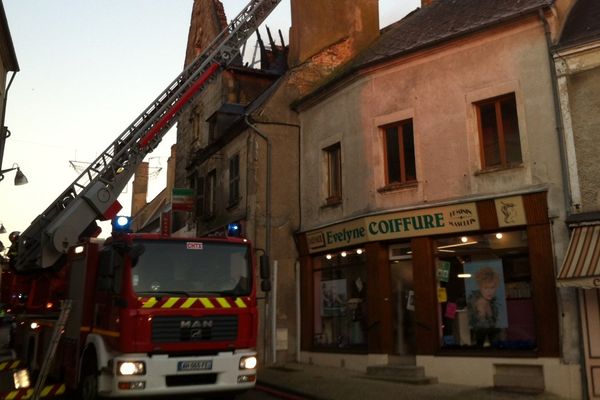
(140, 189)
(317, 25)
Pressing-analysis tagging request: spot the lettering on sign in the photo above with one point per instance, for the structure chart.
(461, 218)
(316, 240)
(193, 245)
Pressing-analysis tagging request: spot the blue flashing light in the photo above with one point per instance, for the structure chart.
(234, 229)
(121, 223)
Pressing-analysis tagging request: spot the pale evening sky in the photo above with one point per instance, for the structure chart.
(87, 70)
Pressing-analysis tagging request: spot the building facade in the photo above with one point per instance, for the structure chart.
(433, 202)
(577, 58)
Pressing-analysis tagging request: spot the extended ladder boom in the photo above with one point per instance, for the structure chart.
(93, 195)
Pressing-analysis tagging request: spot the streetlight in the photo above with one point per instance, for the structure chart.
(20, 178)
(2, 229)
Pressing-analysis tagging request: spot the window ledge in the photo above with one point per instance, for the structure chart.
(332, 202)
(498, 169)
(398, 186)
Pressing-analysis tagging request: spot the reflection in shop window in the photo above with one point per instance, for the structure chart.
(340, 311)
(484, 291)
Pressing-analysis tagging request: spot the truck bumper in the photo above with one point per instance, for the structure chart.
(170, 376)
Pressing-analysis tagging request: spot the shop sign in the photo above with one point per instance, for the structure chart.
(182, 199)
(406, 224)
(510, 211)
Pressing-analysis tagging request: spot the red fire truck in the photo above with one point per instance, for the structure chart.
(134, 315)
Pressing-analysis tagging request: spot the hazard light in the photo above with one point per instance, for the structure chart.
(121, 224)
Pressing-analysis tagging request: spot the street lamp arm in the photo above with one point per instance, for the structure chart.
(20, 178)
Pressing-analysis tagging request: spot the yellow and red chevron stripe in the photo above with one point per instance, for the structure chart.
(47, 391)
(11, 364)
(193, 302)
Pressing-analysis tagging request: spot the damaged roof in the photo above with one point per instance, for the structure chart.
(440, 22)
(582, 24)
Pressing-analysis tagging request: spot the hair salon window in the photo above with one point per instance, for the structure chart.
(340, 300)
(499, 136)
(485, 292)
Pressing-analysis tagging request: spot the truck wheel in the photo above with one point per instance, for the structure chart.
(88, 382)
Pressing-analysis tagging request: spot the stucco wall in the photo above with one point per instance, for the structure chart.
(436, 90)
(584, 90)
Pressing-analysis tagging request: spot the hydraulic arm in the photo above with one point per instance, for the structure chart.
(93, 195)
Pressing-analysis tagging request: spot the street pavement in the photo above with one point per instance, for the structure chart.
(304, 381)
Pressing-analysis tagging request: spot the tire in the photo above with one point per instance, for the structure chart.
(88, 380)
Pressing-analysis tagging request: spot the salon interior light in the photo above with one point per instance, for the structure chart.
(343, 254)
(359, 251)
(328, 256)
(464, 276)
(499, 235)
(464, 239)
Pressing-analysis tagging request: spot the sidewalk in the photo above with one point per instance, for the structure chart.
(304, 381)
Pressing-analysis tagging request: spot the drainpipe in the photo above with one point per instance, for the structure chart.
(267, 222)
(558, 117)
(567, 186)
(4, 133)
(297, 264)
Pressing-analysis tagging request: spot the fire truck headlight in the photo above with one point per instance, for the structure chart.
(127, 368)
(248, 362)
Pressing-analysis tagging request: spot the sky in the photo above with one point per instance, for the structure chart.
(87, 71)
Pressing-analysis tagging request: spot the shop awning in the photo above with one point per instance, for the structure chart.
(581, 267)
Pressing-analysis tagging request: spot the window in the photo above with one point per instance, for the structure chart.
(340, 296)
(234, 179)
(400, 153)
(209, 194)
(199, 187)
(499, 132)
(334, 173)
(485, 292)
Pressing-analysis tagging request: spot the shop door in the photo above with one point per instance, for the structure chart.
(403, 294)
(590, 312)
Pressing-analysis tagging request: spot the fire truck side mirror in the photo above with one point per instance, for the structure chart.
(265, 285)
(265, 272)
(135, 252)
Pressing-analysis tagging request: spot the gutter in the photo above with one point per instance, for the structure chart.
(558, 116)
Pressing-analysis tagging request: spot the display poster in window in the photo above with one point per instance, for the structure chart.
(485, 291)
(334, 296)
(443, 271)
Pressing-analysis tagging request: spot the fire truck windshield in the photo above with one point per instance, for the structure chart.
(192, 268)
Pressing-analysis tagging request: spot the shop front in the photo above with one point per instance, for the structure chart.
(466, 290)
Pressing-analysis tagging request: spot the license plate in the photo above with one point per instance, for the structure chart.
(194, 365)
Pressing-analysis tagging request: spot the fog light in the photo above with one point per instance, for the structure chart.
(246, 378)
(135, 385)
(21, 379)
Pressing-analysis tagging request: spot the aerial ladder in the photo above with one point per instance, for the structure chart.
(93, 195)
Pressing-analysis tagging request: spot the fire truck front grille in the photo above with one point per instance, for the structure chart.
(202, 329)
